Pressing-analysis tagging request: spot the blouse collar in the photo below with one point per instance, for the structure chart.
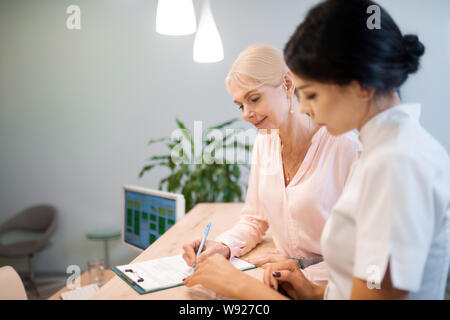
(393, 114)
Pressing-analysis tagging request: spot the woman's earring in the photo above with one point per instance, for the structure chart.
(292, 109)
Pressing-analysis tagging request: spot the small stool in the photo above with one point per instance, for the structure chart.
(104, 235)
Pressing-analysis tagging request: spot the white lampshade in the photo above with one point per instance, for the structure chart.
(175, 17)
(207, 44)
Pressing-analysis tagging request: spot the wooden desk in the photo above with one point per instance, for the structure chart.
(222, 215)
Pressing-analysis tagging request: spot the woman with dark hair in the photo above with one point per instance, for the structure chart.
(388, 234)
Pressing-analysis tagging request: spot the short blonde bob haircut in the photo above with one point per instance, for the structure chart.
(262, 63)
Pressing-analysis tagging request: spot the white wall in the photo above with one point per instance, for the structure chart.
(78, 107)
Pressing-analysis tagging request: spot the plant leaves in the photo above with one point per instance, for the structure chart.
(145, 169)
(215, 182)
(157, 140)
(225, 124)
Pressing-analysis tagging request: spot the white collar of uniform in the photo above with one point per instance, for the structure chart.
(395, 114)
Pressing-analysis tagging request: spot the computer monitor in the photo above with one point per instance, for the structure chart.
(147, 214)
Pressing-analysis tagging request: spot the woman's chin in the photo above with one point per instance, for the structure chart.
(335, 132)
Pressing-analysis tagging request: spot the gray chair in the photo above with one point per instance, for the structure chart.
(41, 219)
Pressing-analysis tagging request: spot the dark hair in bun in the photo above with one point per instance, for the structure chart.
(335, 45)
(414, 49)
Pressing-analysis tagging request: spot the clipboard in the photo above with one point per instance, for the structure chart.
(136, 287)
(175, 261)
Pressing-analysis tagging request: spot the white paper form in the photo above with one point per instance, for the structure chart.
(165, 272)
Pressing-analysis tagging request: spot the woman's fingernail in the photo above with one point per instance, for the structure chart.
(276, 274)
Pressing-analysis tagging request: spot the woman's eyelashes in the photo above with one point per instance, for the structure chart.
(310, 96)
(253, 100)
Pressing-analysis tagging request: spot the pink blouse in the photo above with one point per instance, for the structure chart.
(297, 213)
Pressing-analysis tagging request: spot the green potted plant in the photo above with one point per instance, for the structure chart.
(204, 177)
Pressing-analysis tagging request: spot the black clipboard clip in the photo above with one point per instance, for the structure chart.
(134, 272)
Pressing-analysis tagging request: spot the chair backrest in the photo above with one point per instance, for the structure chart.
(11, 286)
(41, 218)
(37, 218)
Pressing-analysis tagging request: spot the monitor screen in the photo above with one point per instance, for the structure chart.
(147, 217)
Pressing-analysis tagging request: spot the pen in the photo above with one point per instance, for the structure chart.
(205, 235)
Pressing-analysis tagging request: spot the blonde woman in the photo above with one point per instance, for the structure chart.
(298, 169)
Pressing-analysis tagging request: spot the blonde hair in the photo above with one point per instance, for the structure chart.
(262, 63)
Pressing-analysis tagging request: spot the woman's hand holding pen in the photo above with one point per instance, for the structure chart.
(217, 274)
(210, 248)
(288, 274)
